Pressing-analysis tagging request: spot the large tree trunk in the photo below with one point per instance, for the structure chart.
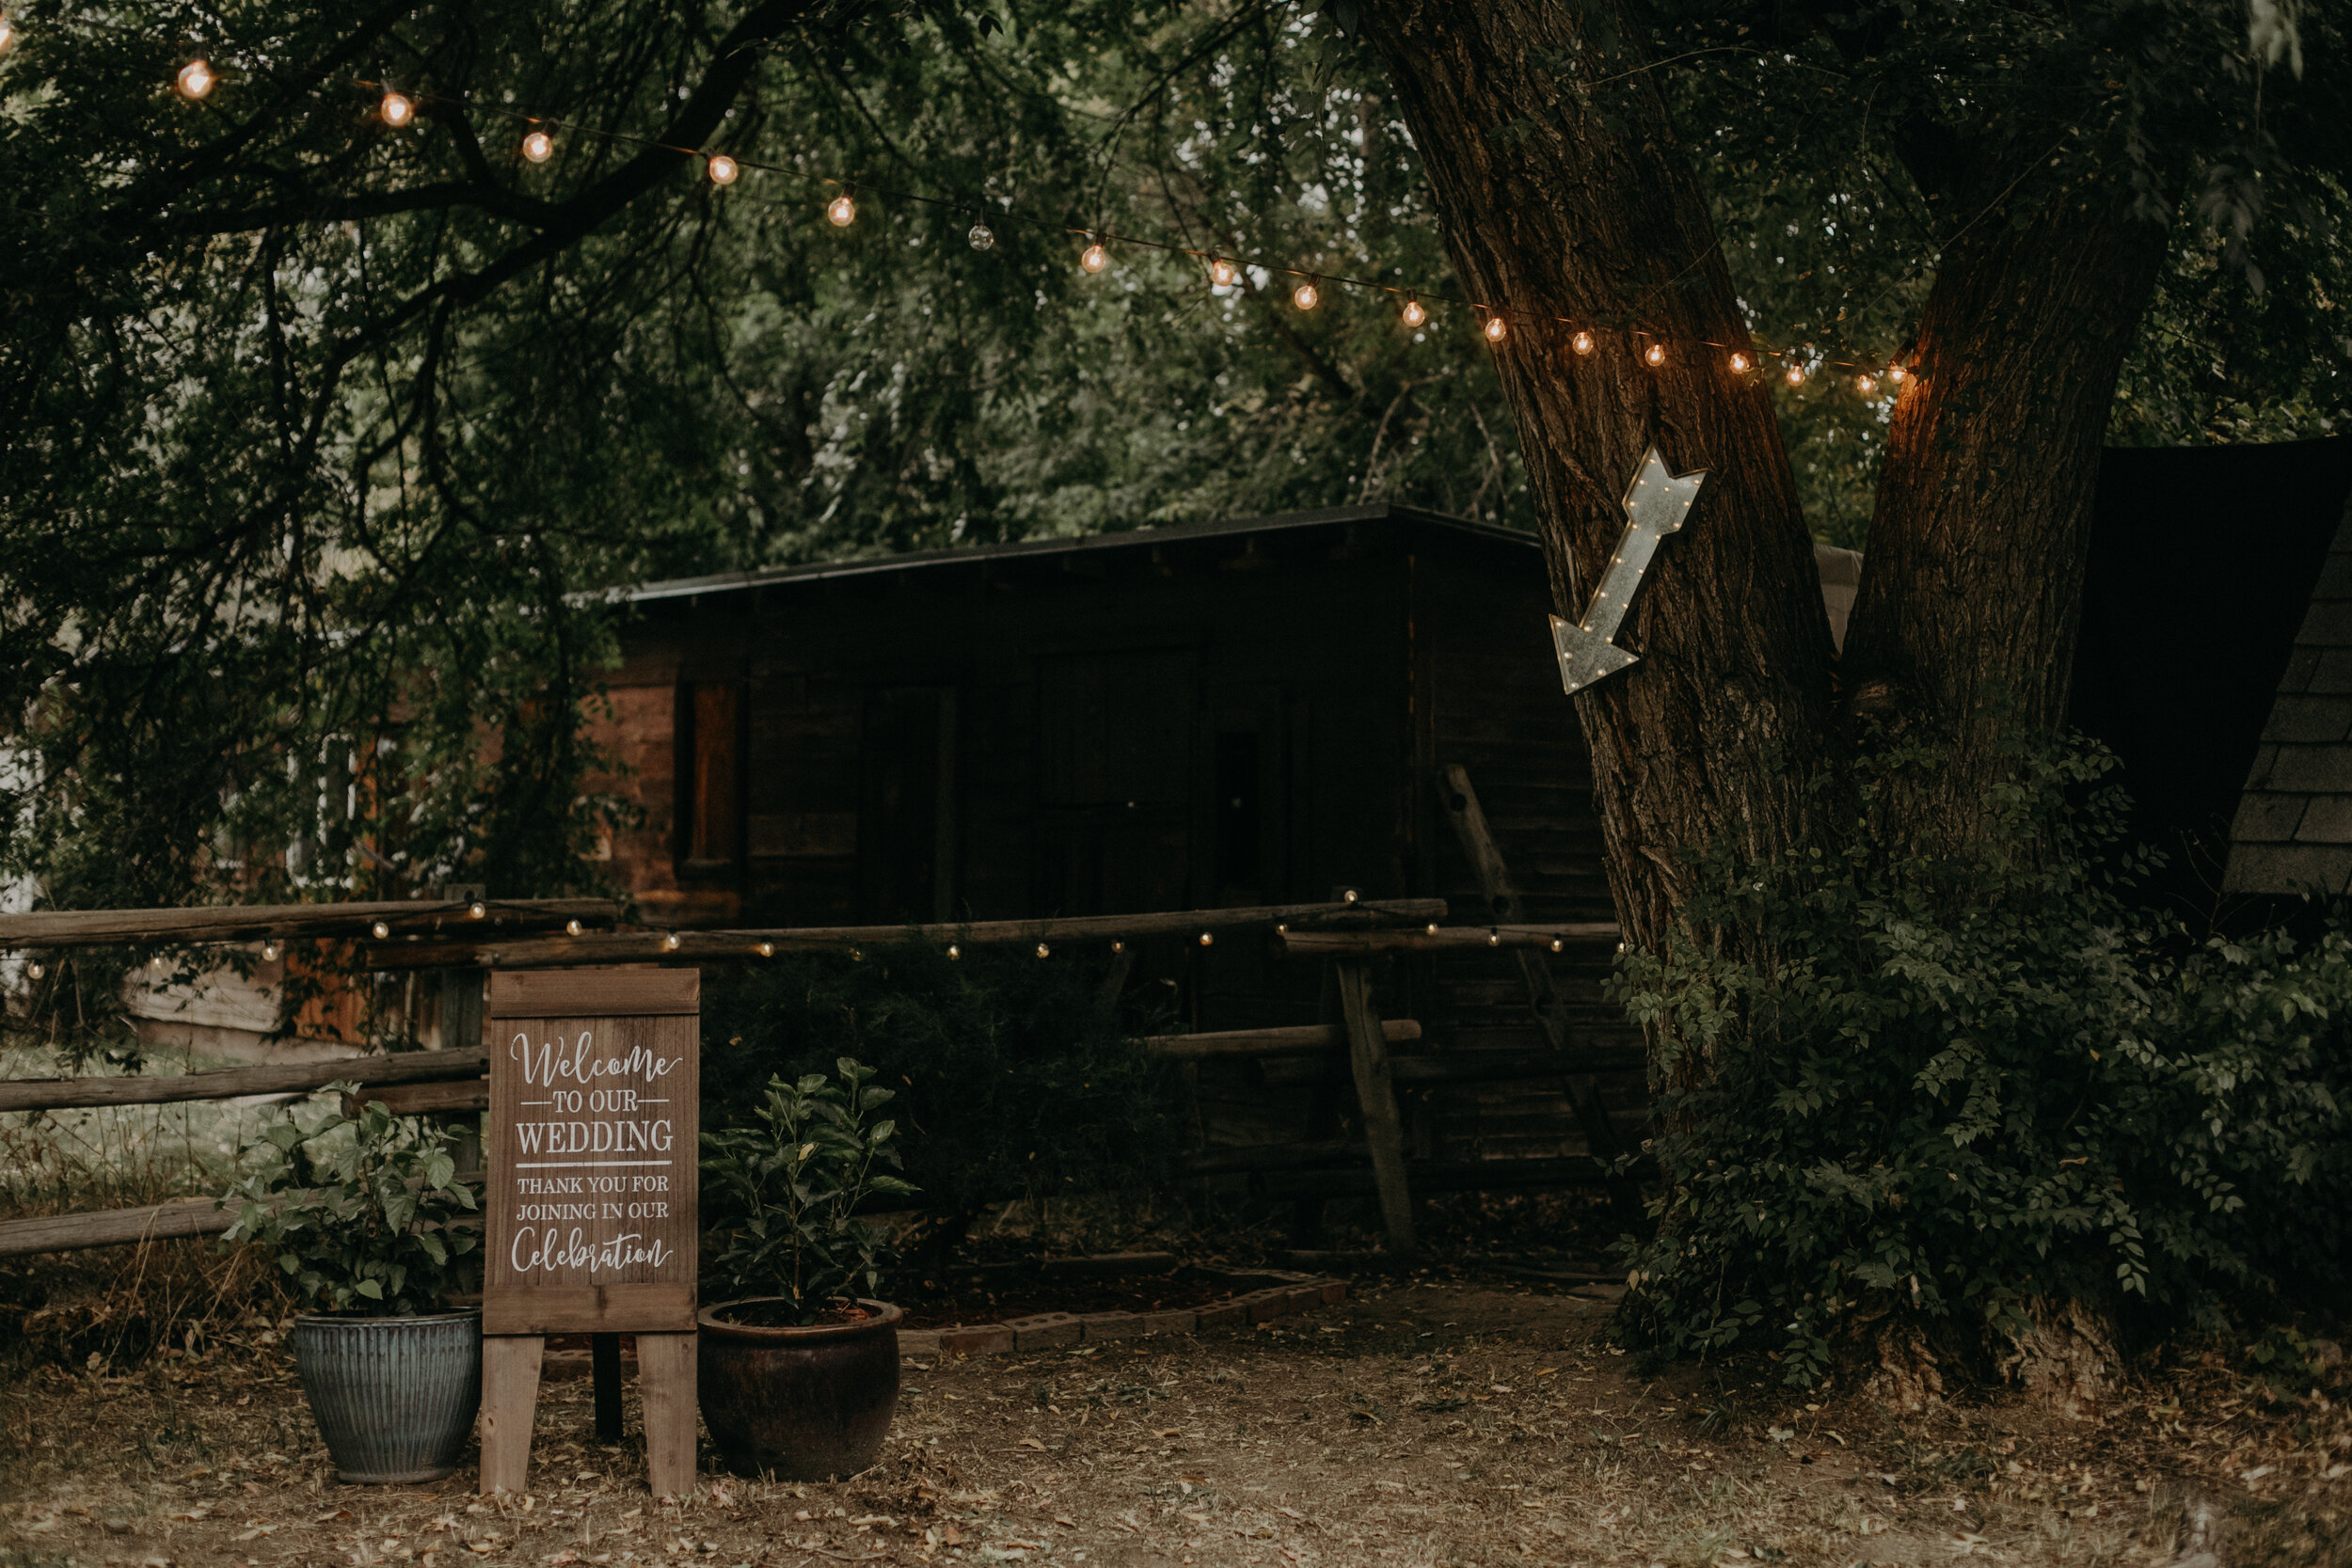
(1577, 202)
(1972, 581)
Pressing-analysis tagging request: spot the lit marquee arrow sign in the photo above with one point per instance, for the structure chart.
(1655, 505)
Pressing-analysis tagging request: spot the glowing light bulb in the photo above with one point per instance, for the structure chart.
(669, 942)
(722, 169)
(1582, 343)
(841, 210)
(476, 910)
(1555, 944)
(1349, 897)
(196, 79)
(538, 147)
(1043, 951)
(396, 111)
(1413, 314)
(954, 951)
(1796, 376)
(34, 970)
(1433, 928)
(1866, 384)
(1740, 363)
(1096, 257)
(1496, 330)
(857, 955)
(572, 927)
(1307, 296)
(156, 964)
(1208, 939)
(981, 235)
(1895, 373)
(269, 952)
(766, 949)
(1653, 355)
(1118, 946)
(1222, 272)
(381, 930)
(1494, 939)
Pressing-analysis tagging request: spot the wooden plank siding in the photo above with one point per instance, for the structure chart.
(1497, 709)
(1187, 718)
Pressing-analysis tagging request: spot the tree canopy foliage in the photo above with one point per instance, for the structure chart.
(321, 441)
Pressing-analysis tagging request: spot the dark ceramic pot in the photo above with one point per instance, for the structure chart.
(799, 1403)
(394, 1397)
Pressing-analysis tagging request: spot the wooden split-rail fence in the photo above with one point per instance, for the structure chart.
(1348, 934)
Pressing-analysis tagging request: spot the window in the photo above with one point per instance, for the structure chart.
(710, 774)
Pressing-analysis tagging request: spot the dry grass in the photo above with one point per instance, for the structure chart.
(113, 1157)
(108, 1308)
(1424, 1423)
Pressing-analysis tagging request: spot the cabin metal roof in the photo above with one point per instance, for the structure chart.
(2292, 831)
(1119, 539)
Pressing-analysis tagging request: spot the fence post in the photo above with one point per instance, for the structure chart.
(1383, 1133)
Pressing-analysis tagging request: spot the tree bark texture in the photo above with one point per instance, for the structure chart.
(1972, 583)
(1563, 194)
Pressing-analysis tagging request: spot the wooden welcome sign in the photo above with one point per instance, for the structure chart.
(590, 1211)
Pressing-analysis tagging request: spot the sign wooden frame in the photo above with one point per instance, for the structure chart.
(590, 1207)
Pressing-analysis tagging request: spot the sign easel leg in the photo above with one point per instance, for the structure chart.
(665, 1388)
(510, 1395)
(604, 1357)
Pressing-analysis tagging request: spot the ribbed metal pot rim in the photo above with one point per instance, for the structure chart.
(886, 1316)
(355, 1320)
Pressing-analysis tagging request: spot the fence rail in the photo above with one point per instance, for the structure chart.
(1448, 939)
(60, 929)
(699, 946)
(153, 1222)
(414, 1067)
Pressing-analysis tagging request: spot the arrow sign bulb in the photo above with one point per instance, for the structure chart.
(1655, 505)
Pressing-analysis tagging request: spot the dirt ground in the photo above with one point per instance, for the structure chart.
(1425, 1423)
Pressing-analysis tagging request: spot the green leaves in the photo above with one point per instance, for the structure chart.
(1956, 1082)
(356, 1212)
(790, 1189)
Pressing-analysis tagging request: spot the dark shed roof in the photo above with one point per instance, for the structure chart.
(1123, 539)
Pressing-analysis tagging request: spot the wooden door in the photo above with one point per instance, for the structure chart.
(1115, 775)
(907, 808)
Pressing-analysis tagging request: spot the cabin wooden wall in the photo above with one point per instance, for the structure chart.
(1217, 724)
(1250, 718)
(1492, 703)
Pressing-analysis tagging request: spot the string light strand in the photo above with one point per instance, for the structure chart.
(399, 110)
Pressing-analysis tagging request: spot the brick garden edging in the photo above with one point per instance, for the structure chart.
(1276, 1292)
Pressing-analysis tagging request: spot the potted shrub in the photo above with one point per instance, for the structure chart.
(356, 1212)
(799, 1373)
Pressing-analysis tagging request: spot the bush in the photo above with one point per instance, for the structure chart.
(359, 1213)
(1958, 1086)
(1014, 1075)
(790, 1189)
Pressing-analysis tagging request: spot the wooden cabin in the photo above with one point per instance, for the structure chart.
(1219, 714)
(2214, 660)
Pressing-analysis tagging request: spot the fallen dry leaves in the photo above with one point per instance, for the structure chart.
(1421, 1424)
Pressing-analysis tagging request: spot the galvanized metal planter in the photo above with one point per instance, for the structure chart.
(394, 1397)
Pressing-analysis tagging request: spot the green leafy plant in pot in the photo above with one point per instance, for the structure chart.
(799, 1373)
(359, 1213)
